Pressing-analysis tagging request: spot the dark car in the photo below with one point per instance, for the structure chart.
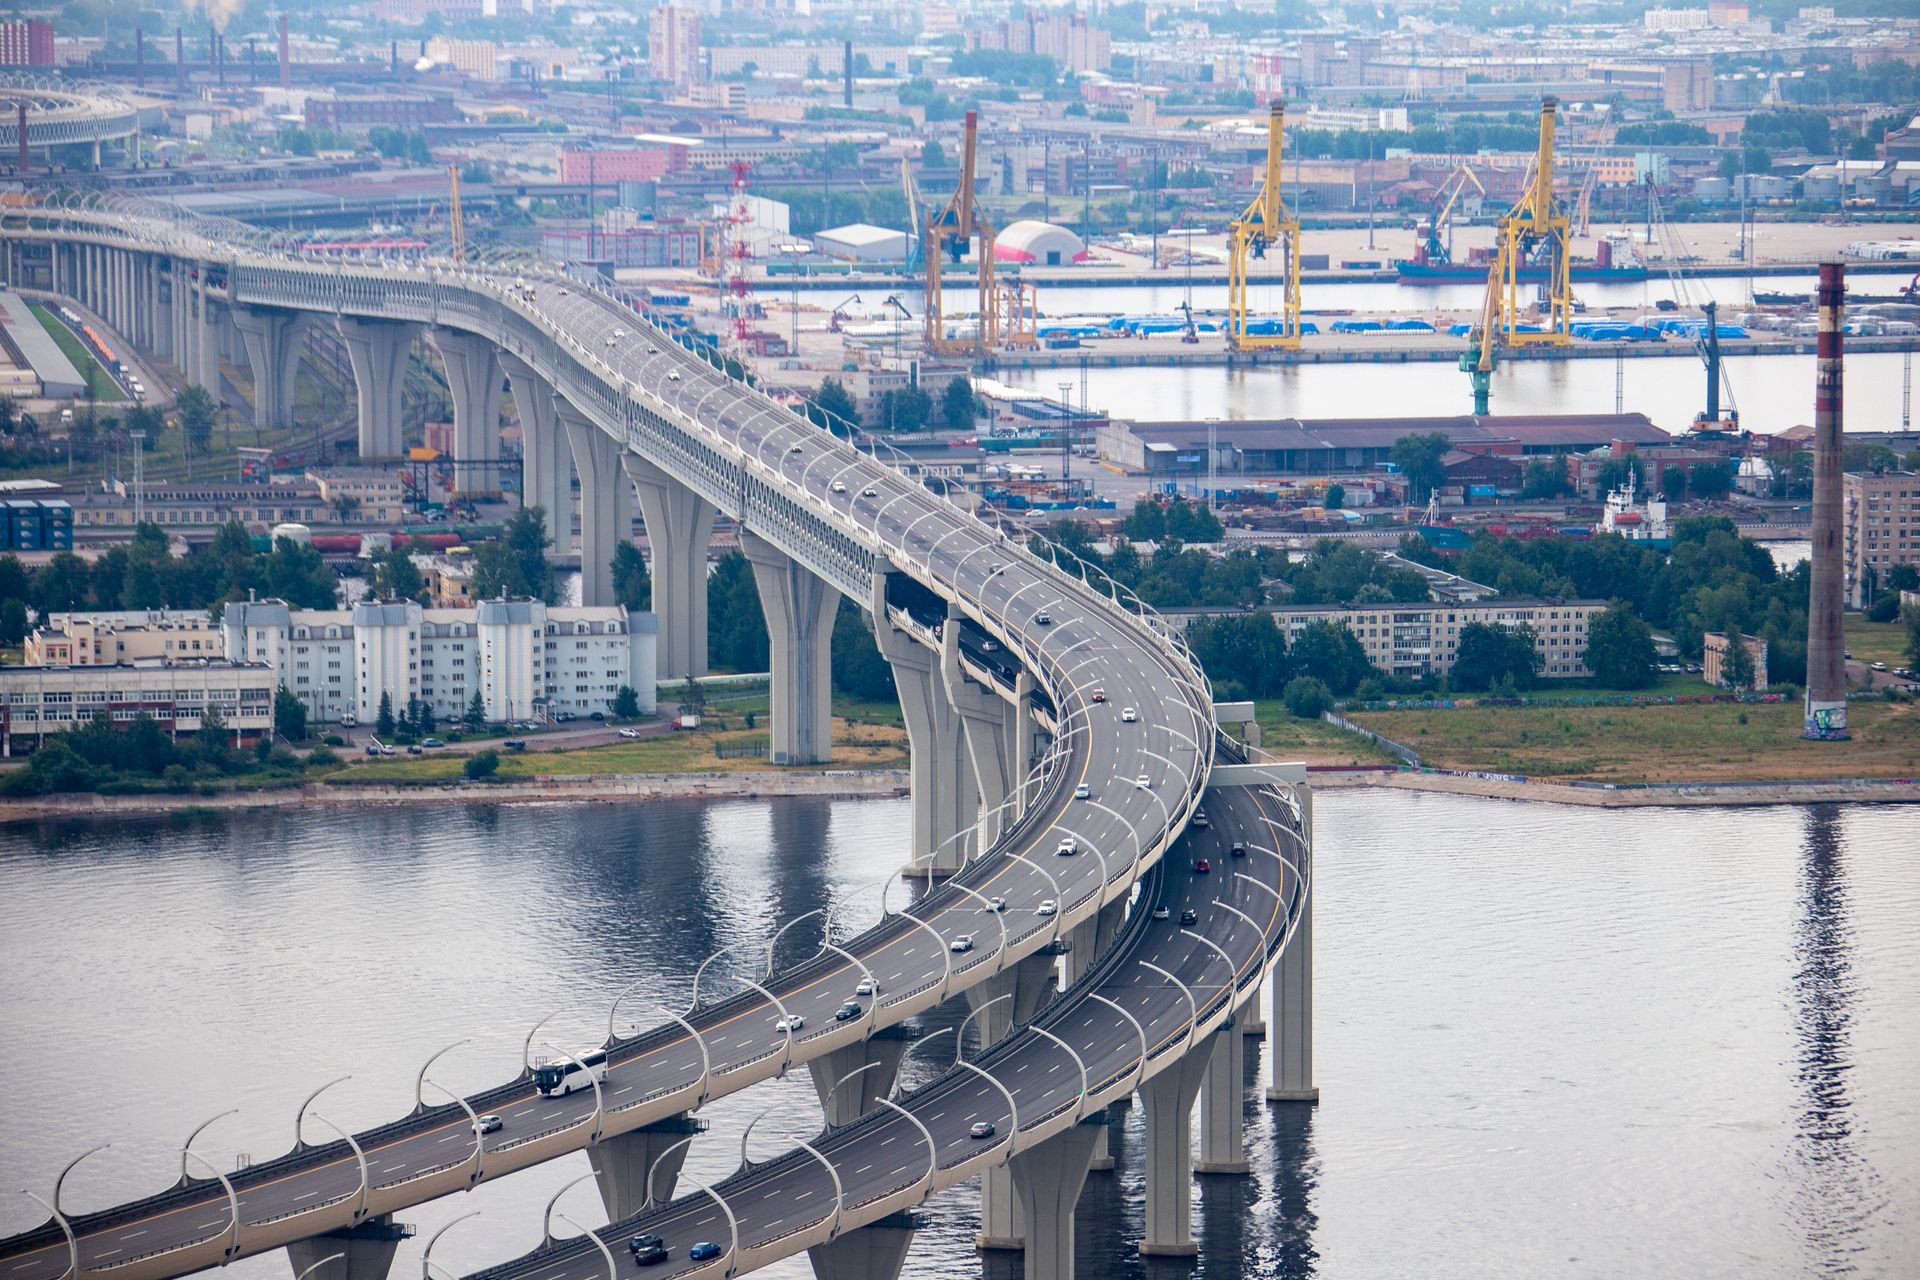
(847, 1012)
(598, 715)
(1201, 866)
(641, 1244)
(515, 744)
(704, 1250)
(1188, 917)
(649, 1256)
(981, 1129)
(1239, 849)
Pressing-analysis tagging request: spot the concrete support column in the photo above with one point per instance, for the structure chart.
(206, 349)
(1030, 983)
(473, 380)
(369, 1247)
(877, 1059)
(876, 1251)
(377, 351)
(1223, 1147)
(800, 609)
(621, 1164)
(1290, 1030)
(679, 526)
(1169, 1100)
(606, 502)
(546, 470)
(1048, 1179)
(273, 340)
(998, 737)
(944, 796)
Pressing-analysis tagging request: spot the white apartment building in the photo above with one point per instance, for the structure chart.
(1882, 519)
(1414, 640)
(527, 660)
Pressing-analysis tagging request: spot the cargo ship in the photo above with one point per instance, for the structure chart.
(1607, 266)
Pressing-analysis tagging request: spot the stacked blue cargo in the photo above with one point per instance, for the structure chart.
(31, 525)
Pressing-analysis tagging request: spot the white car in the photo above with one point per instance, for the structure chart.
(1082, 792)
(964, 942)
(673, 375)
(619, 333)
(869, 492)
(996, 904)
(837, 487)
(797, 449)
(1068, 847)
(1129, 715)
(1046, 908)
(1143, 782)
(865, 988)
(629, 733)
(792, 1022)
(652, 350)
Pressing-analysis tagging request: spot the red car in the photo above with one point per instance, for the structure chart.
(1201, 866)
(1099, 695)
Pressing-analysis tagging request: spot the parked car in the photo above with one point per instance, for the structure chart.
(515, 744)
(431, 742)
(629, 733)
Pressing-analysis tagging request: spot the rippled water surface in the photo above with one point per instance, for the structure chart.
(1551, 1041)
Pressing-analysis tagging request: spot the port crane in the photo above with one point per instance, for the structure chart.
(1433, 250)
(949, 232)
(1536, 224)
(1266, 221)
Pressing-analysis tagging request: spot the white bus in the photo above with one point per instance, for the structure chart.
(566, 1075)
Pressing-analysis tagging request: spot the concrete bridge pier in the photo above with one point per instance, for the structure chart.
(999, 736)
(1169, 1099)
(369, 1247)
(800, 609)
(1223, 1147)
(1290, 1030)
(876, 1058)
(679, 526)
(377, 350)
(273, 340)
(943, 791)
(620, 1164)
(1031, 983)
(206, 346)
(546, 469)
(876, 1251)
(606, 502)
(473, 381)
(1048, 1179)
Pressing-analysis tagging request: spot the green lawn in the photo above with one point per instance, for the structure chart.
(1876, 641)
(1694, 742)
(1314, 741)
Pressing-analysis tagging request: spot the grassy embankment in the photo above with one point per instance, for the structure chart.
(75, 350)
(1876, 641)
(1689, 742)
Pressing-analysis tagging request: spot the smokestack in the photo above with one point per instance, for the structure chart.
(22, 125)
(1826, 646)
(286, 64)
(253, 62)
(393, 55)
(139, 57)
(179, 59)
(846, 76)
(220, 47)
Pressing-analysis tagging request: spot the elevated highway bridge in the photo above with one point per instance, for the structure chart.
(1062, 741)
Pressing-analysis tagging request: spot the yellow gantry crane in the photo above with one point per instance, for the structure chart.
(1267, 221)
(949, 232)
(459, 224)
(1535, 225)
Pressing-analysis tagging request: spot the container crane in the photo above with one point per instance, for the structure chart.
(1434, 251)
(1535, 223)
(1266, 221)
(949, 232)
(911, 191)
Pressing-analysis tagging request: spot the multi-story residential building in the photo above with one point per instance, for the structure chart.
(526, 660)
(1423, 639)
(1882, 517)
(26, 42)
(116, 637)
(477, 58)
(673, 45)
(610, 165)
(36, 701)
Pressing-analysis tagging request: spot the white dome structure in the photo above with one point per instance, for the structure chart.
(1031, 242)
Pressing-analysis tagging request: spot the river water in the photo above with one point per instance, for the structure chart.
(1551, 1041)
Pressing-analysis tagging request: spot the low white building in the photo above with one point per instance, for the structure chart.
(526, 660)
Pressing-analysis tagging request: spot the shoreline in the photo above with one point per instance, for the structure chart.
(853, 784)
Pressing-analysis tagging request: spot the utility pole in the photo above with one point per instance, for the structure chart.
(1066, 430)
(1369, 192)
(139, 476)
(1086, 190)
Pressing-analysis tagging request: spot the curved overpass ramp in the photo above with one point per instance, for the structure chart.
(1117, 792)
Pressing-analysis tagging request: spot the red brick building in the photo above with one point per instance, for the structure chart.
(26, 42)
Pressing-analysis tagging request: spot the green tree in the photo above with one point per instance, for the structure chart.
(13, 621)
(211, 738)
(632, 586)
(858, 669)
(1737, 671)
(1711, 479)
(1491, 655)
(626, 703)
(396, 576)
(1911, 616)
(1247, 648)
(482, 765)
(294, 572)
(836, 408)
(423, 718)
(62, 585)
(933, 155)
(1673, 482)
(289, 715)
(1620, 648)
(1543, 478)
(1307, 698)
(956, 403)
(1334, 654)
(1147, 523)
(1336, 496)
(736, 627)
(196, 409)
(476, 711)
(383, 723)
(515, 566)
(906, 409)
(1418, 457)
(693, 697)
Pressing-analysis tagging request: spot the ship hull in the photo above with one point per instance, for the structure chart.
(1409, 272)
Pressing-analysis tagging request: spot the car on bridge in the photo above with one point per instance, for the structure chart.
(648, 1250)
(962, 942)
(704, 1251)
(791, 1023)
(847, 1012)
(1082, 792)
(981, 1129)
(490, 1124)
(1047, 907)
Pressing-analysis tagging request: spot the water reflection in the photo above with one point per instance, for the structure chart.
(1836, 1184)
